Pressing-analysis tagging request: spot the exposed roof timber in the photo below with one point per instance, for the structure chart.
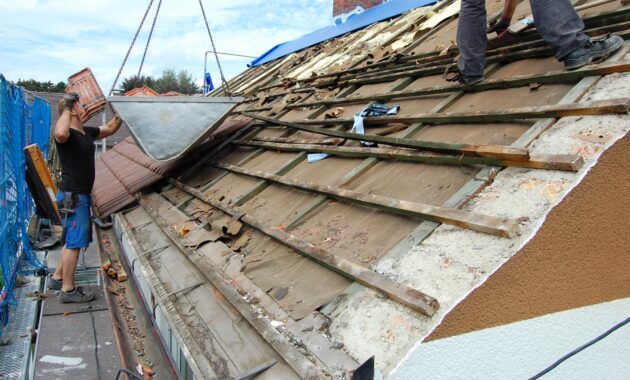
(599, 107)
(290, 353)
(497, 151)
(433, 63)
(476, 222)
(526, 50)
(401, 293)
(551, 77)
(567, 162)
(597, 25)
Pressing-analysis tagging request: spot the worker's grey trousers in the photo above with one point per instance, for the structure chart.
(557, 23)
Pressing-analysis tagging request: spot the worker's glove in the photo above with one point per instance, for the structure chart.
(69, 99)
(500, 26)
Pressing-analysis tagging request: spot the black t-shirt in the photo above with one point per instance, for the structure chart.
(77, 161)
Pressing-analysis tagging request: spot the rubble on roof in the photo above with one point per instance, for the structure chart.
(351, 257)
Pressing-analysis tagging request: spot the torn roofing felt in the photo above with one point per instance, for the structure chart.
(326, 251)
(381, 12)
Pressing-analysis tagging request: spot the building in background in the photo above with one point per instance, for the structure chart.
(342, 9)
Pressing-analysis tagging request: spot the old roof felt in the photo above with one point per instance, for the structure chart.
(297, 289)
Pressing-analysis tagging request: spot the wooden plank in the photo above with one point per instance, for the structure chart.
(476, 222)
(401, 293)
(597, 107)
(296, 360)
(476, 184)
(489, 84)
(418, 72)
(289, 140)
(498, 151)
(567, 162)
(528, 50)
(368, 163)
(519, 26)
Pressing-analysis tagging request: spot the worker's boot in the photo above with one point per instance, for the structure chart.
(54, 284)
(78, 295)
(593, 50)
(465, 80)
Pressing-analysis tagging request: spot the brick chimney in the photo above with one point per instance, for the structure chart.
(344, 6)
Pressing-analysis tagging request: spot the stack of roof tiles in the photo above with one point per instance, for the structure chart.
(125, 170)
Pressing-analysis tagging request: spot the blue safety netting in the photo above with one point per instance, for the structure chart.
(379, 13)
(24, 120)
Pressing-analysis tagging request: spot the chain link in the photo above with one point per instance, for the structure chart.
(131, 47)
(146, 48)
(214, 50)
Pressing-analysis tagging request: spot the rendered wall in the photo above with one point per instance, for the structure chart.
(579, 257)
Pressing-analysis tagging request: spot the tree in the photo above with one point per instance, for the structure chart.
(167, 82)
(138, 81)
(33, 85)
(186, 83)
(170, 80)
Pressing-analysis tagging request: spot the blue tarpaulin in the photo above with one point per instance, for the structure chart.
(382, 12)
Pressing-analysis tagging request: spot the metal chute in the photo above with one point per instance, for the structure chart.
(166, 127)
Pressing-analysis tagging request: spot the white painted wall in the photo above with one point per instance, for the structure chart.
(521, 350)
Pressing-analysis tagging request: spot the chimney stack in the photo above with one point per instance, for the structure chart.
(341, 7)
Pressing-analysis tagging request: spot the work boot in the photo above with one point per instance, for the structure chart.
(593, 50)
(54, 284)
(78, 295)
(466, 80)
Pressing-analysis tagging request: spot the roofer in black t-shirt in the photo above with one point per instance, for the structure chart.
(75, 144)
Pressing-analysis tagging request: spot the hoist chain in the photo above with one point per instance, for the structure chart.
(146, 48)
(130, 47)
(226, 87)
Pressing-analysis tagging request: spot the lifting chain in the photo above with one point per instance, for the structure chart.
(146, 48)
(130, 47)
(226, 87)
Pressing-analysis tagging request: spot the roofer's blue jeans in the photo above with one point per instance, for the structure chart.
(556, 21)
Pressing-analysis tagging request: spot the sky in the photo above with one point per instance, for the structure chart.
(49, 40)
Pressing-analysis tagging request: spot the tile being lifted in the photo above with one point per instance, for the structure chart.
(166, 127)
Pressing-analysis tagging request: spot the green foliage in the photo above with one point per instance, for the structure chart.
(138, 81)
(186, 83)
(33, 85)
(167, 82)
(170, 80)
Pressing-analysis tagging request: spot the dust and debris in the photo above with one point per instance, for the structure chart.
(452, 261)
(135, 335)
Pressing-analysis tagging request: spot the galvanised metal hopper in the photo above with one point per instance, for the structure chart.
(166, 127)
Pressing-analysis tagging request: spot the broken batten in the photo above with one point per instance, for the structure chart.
(166, 127)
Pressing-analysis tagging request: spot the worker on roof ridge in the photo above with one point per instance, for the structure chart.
(75, 144)
(556, 21)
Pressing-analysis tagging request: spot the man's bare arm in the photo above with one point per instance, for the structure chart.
(62, 128)
(110, 128)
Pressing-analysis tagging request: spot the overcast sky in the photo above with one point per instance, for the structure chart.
(52, 39)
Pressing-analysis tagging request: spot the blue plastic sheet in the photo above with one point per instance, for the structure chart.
(382, 12)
